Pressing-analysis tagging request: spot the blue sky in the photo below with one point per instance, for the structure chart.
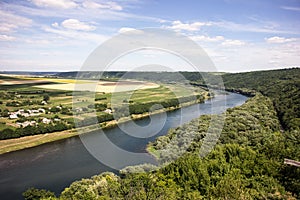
(238, 35)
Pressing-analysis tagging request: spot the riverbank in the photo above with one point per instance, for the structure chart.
(25, 142)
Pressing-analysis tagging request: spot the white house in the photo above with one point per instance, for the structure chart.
(109, 111)
(13, 116)
(26, 123)
(41, 110)
(46, 121)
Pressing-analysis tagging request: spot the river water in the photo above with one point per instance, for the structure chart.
(55, 165)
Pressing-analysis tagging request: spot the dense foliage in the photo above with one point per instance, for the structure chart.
(9, 133)
(247, 125)
(91, 120)
(140, 108)
(34, 193)
(282, 86)
(150, 76)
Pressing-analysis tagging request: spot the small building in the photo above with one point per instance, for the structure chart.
(46, 121)
(25, 114)
(34, 111)
(78, 110)
(13, 116)
(26, 123)
(109, 111)
(41, 110)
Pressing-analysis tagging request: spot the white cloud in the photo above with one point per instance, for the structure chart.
(207, 38)
(178, 26)
(9, 21)
(38, 41)
(81, 12)
(62, 4)
(75, 36)
(5, 38)
(233, 43)
(6, 28)
(131, 31)
(55, 24)
(258, 27)
(107, 5)
(252, 57)
(279, 40)
(126, 29)
(162, 20)
(75, 24)
(291, 8)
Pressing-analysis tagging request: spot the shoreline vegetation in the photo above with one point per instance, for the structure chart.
(163, 156)
(16, 144)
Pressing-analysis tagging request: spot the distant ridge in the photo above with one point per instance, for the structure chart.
(29, 73)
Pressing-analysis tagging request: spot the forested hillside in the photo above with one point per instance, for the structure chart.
(138, 75)
(282, 86)
(247, 162)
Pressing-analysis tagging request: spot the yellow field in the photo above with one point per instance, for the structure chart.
(101, 86)
(79, 85)
(58, 80)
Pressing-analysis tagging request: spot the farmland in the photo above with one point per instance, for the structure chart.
(97, 86)
(34, 107)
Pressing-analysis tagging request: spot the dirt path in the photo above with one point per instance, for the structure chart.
(19, 141)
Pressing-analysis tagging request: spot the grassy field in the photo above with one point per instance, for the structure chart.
(27, 93)
(31, 141)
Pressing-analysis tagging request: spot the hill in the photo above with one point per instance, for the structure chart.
(282, 86)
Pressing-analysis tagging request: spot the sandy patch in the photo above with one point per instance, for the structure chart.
(17, 82)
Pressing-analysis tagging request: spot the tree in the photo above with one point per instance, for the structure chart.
(6, 133)
(36, 194)
(46, 97)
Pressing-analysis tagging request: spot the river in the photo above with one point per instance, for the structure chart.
(55, 165)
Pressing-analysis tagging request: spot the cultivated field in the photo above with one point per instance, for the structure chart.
(100, 86)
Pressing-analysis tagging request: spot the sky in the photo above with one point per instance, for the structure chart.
(237, 35)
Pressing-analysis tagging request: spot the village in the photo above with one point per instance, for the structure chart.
(24, 117)
(31, 113)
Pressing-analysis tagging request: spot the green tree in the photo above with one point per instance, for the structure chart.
(36, 194)
(46, 97)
